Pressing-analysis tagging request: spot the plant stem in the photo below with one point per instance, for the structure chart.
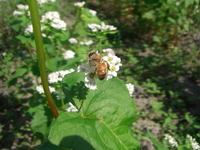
(81, 105)
(100, 45)
(40, 53)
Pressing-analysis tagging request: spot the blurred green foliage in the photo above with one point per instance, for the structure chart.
(149, 44)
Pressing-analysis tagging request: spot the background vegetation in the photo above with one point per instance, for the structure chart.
(158, 42)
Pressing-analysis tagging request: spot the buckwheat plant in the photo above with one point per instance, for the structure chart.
(194, 144)
(98, 113)
(171, 141)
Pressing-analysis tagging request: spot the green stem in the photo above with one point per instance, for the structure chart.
(80, 106)
(100, 46)
(75, 23)
(48, 60)
(29, 51)
(40, 53)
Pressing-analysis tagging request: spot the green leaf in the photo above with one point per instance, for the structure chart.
(156, 38)
(148, 15)
(188, 2)
(20, 72)
(170, 19)
(23, 39)
(74, 88)
(41, 122)
(167, 121)
(157, 105)
(104, 120)
(49, 146)
(158, 145)
(51, 48)
(70, 63)
(52, 64)
(184, 147)
(88, 17)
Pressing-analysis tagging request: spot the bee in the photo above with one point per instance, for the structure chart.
(101, 66)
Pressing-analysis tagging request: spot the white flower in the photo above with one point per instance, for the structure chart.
(177, 3)
(90, 81)
(82, 68)
(93, 12)
(171, 140)
(79, 4)
(4, 54)
(71, 108)
(91, 70)
(101, 28)
(55, 21)
(89, 42)
(62, 73)
(29, 29)
(130, 88)
(89, 76)
(112, 59)
(59, 75)
(45, 1)
(22, 7)
(112, 72)
(17, 13)
(54, 77)
(105, 27)
(59, 24)
(94, 27)
(73, 40)
(193, 142)
(51, 15)
(108, 50)
(52, 89)
(40, 89)
(68, 54)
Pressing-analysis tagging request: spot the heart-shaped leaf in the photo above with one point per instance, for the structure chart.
(103, 121)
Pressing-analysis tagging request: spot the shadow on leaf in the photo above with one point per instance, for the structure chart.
(76, 143)
(78, 91)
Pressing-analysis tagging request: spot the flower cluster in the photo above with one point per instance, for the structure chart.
(86, 42)
(40, 89)
(73, 41)
(171, 140)
(29, 29)
(45, 1)
(22, 7)
(93, 12)
(193, 142)
(21, 11)
(91, 73)
(54, 18)
(68, 54)
(101, 28)
(54, 78)
(59, 75)
(79, 4)
(130, 88)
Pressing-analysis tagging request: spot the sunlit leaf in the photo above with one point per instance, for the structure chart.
(104, 120)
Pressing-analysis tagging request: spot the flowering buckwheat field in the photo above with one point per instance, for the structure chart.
(99, 75)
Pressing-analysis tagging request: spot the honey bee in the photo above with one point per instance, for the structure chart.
(101, 66)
